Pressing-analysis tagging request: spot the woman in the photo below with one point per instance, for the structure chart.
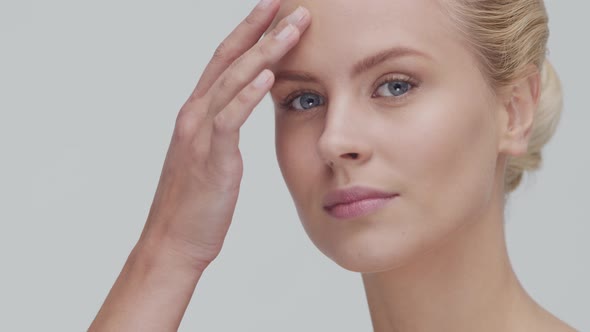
(401, 128)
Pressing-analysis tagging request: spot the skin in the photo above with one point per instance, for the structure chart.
(433, 261)
(196, 196)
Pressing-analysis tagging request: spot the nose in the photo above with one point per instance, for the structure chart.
(344, 140)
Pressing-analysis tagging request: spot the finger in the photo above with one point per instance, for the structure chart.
(233, 116)
(227, 123)
(242, 38)
(267, 52)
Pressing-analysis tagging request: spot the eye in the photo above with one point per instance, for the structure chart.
(302, 101)
(394, 88)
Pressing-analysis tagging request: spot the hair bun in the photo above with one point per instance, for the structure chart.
(545, 123)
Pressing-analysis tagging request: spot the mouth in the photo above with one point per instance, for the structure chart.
(358, 208)
(356, 201)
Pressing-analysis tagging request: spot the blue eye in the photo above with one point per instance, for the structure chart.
(395, 88)
(306, 101)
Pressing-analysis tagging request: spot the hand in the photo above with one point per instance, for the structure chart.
(196, 196)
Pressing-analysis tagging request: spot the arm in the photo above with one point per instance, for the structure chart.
(199, 184)
(151, 293)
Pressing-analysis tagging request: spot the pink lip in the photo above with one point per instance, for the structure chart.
(355, 201)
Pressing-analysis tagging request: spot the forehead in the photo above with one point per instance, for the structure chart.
(359, 28)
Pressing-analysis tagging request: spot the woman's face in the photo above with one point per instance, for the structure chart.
(419, 122)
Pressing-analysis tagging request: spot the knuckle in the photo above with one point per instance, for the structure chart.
(182, 131)
(272, 33)
(265, 50)
(240, 77)
(250, 20)
(244, 98)
(222, 52)
(185, 126)
(224, 83)
(220, 125)
(233, 77)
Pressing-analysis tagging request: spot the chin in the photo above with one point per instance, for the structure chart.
(373, 244)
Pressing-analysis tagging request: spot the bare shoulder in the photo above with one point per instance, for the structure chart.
(542, 320)
(551, 323)
(559, 327)
(563, 327)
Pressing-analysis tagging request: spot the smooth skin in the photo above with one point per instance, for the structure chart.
(435, 259)
(199, 184)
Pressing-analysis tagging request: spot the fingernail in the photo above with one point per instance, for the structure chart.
(297, 15)
(286, 32)
(262, 79)
(264, 4)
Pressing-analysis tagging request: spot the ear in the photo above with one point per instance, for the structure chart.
(519, 105)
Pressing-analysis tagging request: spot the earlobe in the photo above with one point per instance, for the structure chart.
(519, 113)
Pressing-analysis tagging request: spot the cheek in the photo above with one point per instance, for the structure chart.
(299, 164)
(451, 156)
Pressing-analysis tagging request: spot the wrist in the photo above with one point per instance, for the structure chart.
(161, 252)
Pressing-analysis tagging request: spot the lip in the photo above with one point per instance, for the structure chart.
(355, 201)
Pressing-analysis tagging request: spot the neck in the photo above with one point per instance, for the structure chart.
(464, 284)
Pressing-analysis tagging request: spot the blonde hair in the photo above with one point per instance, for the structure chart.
(507, 36)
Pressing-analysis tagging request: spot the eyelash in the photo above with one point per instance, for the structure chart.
(286, 103)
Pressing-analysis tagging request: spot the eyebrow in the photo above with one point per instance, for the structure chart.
(360, 67)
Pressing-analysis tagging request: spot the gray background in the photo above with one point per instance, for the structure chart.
(89, 93)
